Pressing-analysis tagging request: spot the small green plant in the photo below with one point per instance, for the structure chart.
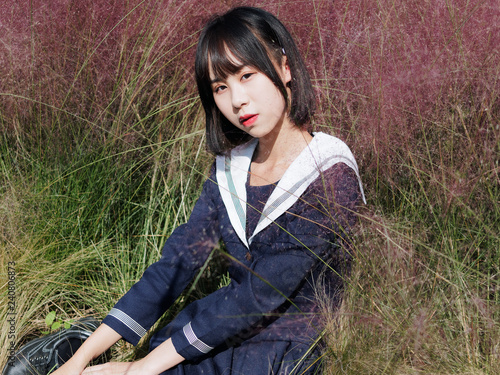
(54, 323)
(225, 280)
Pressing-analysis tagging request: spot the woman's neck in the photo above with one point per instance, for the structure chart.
(275, 153)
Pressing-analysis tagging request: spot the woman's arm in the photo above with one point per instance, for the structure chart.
(184, 253)
(98, 342)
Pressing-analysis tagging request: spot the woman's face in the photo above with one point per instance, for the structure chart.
(250, 100)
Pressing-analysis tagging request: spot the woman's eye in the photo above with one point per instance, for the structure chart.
(246, 76)
(218, 89)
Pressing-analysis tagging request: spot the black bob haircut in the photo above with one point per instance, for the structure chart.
(258, 39)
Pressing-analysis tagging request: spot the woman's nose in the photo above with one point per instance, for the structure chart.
(239, 96)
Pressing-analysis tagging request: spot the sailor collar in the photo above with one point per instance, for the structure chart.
(232, 173)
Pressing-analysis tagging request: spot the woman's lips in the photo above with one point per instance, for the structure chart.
(248, 120)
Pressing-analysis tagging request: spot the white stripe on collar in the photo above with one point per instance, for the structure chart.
(232, 173)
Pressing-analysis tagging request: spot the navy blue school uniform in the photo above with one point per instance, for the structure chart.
(279, 239)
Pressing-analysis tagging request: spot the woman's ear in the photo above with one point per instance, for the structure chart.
(286, 74)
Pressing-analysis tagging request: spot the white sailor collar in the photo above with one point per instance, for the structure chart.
(232, 173)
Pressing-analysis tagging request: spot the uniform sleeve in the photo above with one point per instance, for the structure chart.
(312, 233)
(184, 253)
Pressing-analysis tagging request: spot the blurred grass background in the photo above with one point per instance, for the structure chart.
(102, 156)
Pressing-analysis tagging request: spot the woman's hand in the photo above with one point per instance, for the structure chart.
(69, 368)
(110, 368)
(118, 368)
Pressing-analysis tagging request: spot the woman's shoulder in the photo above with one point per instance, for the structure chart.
(326, 146)
(338, 177)
(342, 173)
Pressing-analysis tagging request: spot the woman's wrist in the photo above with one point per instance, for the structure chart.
(161, 359)
(143, 366)
(74, 365)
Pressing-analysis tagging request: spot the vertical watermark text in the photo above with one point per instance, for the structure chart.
(11, 311)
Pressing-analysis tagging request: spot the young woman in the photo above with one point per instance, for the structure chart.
(280, 198)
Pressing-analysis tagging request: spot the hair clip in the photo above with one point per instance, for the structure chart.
(283, 50)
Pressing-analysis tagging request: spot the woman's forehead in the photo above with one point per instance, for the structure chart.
(220, 65)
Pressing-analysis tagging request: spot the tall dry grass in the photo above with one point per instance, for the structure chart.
(101, 159)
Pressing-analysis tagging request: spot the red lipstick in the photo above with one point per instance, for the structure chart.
(248, 120)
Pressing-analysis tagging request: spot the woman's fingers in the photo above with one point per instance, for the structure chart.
(113, 368)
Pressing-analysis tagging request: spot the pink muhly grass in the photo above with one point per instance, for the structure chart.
(380, 70)
(89, 61)
(401, 77)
